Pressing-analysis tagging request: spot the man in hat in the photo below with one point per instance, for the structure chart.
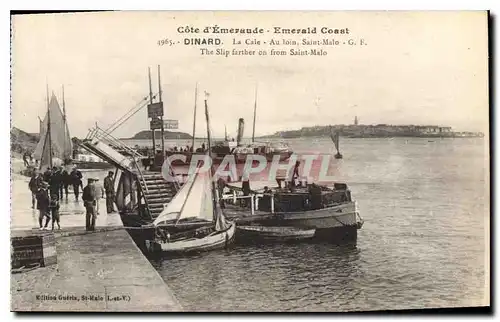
(110, 192)
(89, 201)
(34, 184)
(42, 204)
(66, 181)
(76, 181)
(47, 174)
(99, 193)
(55, 182)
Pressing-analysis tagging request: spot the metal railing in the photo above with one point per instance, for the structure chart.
(254, 200)
(101, 135)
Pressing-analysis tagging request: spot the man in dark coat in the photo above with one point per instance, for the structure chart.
(76, 181)
(89, 201)
(42, 204)
(66, 181)
(55, 182)
(109, 188)
(25, 158)
(245, 186)
(221, 184)
(47, 174)
(35, 184)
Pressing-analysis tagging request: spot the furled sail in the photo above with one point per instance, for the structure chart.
(194, 200)
(60, 139)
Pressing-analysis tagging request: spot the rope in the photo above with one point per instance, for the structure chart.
(139, 106)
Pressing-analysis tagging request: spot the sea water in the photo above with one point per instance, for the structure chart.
(424, 242)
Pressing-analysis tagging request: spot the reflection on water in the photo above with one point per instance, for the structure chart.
(423, 244)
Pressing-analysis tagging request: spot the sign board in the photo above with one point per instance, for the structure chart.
(171, 124)
(155, 110)
(155, 124)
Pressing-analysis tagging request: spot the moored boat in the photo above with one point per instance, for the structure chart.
(330, 211)
(196, 199)
(259, 233)
(193, 202)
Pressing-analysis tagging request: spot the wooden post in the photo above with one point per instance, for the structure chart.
(194, 116)
(162, 125)
(272, 203)
(252, 204)
(151, 102)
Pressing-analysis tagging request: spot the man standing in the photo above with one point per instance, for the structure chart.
(110, 192)
(42, 204)
(99, 194)
(245, 186)
(221, 184)
(47, 174)
(89, 201)
(76, 181)
(66, 181)
(55, 182)
(25, 158)
(34, 185)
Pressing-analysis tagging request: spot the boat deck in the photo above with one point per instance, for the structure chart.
(240, 214)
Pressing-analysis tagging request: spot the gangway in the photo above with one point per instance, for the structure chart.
(152, 188)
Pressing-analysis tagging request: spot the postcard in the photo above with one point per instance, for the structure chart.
(249, 161)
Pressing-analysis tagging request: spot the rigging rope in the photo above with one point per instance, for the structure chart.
(137, 107)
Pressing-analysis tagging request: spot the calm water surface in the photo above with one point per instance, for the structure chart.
(424, 242)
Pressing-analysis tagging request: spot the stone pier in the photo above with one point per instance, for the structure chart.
(95, 271)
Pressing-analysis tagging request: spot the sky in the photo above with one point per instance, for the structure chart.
(416, 68)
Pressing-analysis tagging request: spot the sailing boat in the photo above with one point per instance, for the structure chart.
(335, 138)
(55, 146)
(196, 201)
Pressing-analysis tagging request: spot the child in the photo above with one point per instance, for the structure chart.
(54, 208)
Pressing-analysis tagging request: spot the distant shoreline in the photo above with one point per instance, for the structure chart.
(452, 136)
(375, 131)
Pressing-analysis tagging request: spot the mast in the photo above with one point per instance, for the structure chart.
(194, 114)
(254, 114)
(49, 136)
(64, 122)
(151, 102)
(162, 125)
(210, 156)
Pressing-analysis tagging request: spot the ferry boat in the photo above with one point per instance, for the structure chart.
(329, 211)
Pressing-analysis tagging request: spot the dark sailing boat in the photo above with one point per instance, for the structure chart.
(335, 138)
(196, 201)
(55, 146)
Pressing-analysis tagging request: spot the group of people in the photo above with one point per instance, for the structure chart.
(49, 187)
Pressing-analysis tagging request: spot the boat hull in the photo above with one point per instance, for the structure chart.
(218, 240)
(252, 234)
(337, 224)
